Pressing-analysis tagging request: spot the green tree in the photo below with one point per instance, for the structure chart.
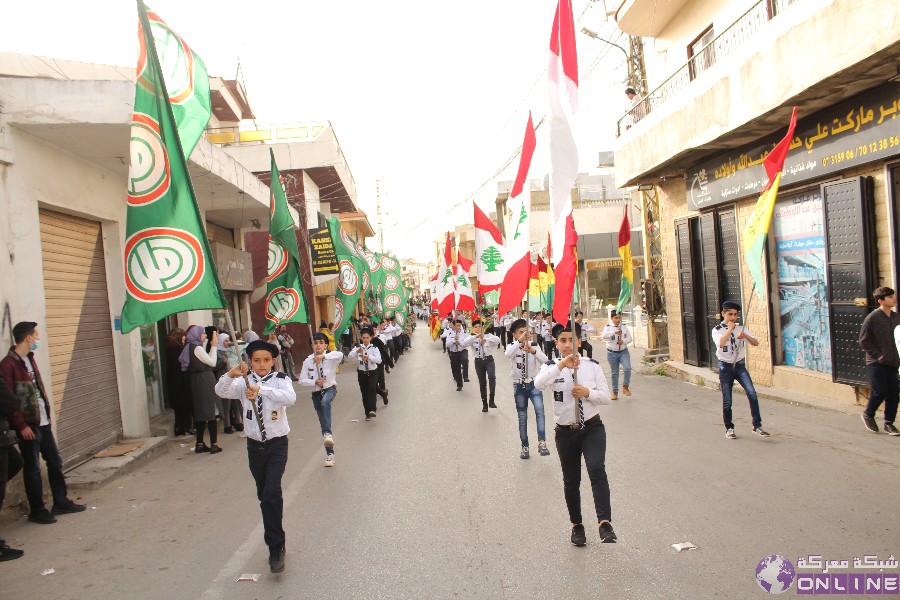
(523, 216)
(491, 257)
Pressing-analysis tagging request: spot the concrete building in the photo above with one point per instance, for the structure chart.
(64, 153)
(698, 141)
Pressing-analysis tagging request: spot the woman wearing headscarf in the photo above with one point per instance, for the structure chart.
(230, 408)
(200, 364)
(325, 330)
(178, 385)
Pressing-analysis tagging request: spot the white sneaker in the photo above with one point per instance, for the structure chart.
(730, 434)
(329, 460)
(328, 440)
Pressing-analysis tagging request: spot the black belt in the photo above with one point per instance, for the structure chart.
(485, 358)
(594, 419)
(617, 351)
(369, 372)
(455, 351)
(252, 442)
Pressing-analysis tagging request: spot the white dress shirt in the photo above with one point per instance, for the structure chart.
(277, 393)
(586, 330)
(616, 342)
(372, 357)
(565, 405)
(326, 370)
(518, 358)
(735, 350)
(482, 350)
(455, 340)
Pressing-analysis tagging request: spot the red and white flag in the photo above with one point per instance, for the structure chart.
(434, 291)
(518, 240)
(446, 282)
(465, 300)
(489, 256)
(562, 75)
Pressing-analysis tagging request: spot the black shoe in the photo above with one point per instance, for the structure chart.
(371, 414)
(466, 379)
(295, 379)
(484, 408)
(42, 516)
(191, 431)
(7, 553)
(458, 388)
(68, 507)
(229, 430)
(870, 423)
(214, 449)
(491, 404)
(276, 559)
(385, 399)
(201, 447)
(239, 426)
(607, 535)
(890, 429)
(179, 432)
(578, 537)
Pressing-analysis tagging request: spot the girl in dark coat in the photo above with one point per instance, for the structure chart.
(200, 364)
(178, 385)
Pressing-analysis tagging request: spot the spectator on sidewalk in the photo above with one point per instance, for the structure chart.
(200, 364)
(876, 337)
(287, 342)
(178, 384)
(731, 340)
(32, 425)
(10, 459)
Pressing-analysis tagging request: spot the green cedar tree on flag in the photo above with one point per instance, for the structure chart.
(351, 269)
(168, 264)
(187, 82)
(285, 301)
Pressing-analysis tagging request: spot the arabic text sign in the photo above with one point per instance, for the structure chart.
(860, 130)
(324, 260)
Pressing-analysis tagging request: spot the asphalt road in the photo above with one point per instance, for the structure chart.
(431, 500)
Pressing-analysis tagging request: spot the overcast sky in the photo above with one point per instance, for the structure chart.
(430, 97)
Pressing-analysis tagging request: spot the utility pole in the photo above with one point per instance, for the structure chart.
(378, 184)
(637, 72)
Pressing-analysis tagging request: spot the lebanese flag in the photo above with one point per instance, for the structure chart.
(434, 291)
(488, 254)
(446, 282)
(518, 240)
(562, 74)
(465, 300)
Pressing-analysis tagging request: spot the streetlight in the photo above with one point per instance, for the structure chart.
(594, 35)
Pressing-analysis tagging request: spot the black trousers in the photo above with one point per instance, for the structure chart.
(505, 337)
(548, 347)
(885, 388)
(368, 386)
(586, 347)
(465, 363)
(484, 368)
(42, 446)
(393, 347)
(10, 465)
(571, 445)
(267, 462)
(456, 367)
(381, 388)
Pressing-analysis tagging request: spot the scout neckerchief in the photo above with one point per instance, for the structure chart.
(258, 405)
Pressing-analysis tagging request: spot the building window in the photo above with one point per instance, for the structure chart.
(701, 53)
(779, 6)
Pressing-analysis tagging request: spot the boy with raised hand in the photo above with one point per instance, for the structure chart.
(586, 330)
(731, 340)
(318, 372)
(455, 339)
(526, 358)
(547, 333)
(368, 358)
(483, 345)
(579, 430)
(617, 337)
(264, 394)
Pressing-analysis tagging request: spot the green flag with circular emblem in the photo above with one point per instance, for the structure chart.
(352, 272)
(168, 265)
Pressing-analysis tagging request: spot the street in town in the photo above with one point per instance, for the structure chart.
(431, 500)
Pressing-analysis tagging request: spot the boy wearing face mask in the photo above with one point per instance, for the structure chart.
(32, 425)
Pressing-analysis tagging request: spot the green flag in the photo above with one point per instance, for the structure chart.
(168, 265)
(391, 293)
(352, 268)
(285, 302)
(187, 82)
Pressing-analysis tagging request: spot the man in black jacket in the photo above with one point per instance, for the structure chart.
(876, 337)
(10, 459)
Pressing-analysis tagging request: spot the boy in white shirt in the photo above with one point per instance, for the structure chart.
(368, 358)
(579, 430)
(318, 372)
(264, 395)
(586, 330)
(617, 338)
(483, 345)
(526, 358)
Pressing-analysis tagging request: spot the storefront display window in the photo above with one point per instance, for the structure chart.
(799, 229)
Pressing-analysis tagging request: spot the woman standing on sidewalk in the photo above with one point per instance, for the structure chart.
(199, 363)
(178, 384)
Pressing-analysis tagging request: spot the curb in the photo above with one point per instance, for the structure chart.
(97, 472)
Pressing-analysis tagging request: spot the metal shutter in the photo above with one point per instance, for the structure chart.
(686, 285)
(79, 337)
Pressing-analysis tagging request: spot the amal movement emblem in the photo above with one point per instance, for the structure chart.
(278, 260)
(148, 169)
(392, 301)
(282, 304)
(348, 280)
(388, 263)
(391, 282)
(338, 311)
(175, 60)
(162, 263)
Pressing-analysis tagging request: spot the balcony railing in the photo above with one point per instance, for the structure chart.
(720, 47)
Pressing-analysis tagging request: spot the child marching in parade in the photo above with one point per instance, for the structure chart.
(318, 372)
(368, 358)
(483, 345)
(586, 330)
(526, 358)
(455, 339)
(264, 395)
(617, 338)
(579, 388)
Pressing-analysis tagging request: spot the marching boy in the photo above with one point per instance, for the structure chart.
(455, 339)
(526, 358)
(579, 430)
(318, 372)
(731, 340)
(264, 394)
(617, 338)
(368, 358)
(483, 345)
